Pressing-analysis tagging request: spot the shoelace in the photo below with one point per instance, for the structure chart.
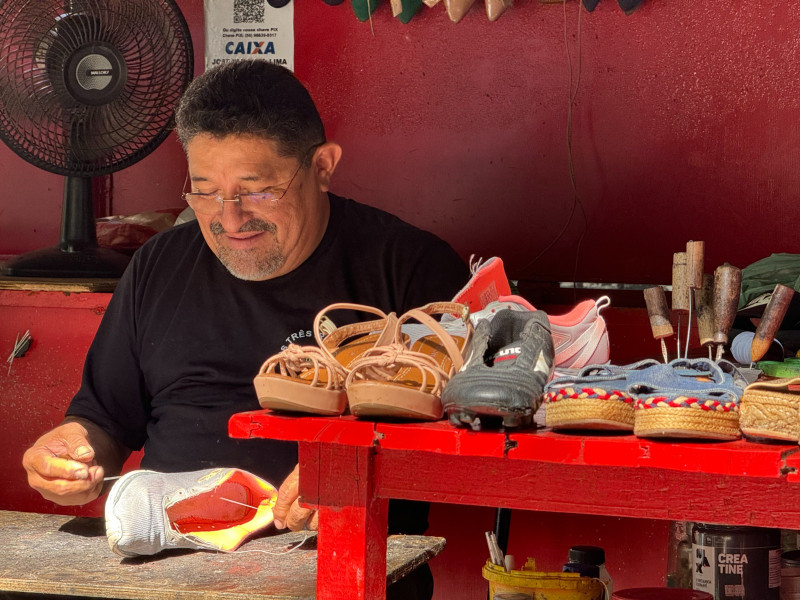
(298, 359)
(385, 362)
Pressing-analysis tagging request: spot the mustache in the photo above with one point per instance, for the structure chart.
(250, 226)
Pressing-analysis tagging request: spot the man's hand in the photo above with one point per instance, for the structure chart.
(61, 466)
(287, 511)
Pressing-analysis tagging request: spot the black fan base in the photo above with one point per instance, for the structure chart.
(55, 262)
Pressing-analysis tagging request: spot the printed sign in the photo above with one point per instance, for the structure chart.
(249, 29)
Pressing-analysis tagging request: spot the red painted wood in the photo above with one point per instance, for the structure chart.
(264, 423)
(734, 458)
(737, 483)
(441, 437)
(349, 565)
(462, 129)
(37, 389)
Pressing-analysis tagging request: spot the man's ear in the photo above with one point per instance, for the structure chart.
(324, 162)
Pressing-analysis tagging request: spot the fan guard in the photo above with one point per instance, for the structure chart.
(88, 87)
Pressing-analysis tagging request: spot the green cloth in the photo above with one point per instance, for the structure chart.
(364, 8)
(762, 276)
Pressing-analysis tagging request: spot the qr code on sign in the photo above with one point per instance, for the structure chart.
(248, 11)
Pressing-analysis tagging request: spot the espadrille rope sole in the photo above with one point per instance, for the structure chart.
(589, 408)
(770, 414)
(686, 418)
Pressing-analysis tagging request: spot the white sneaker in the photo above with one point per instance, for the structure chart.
(213, 509)
(580, 337)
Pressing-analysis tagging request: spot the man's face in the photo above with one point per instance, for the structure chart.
(255, 243)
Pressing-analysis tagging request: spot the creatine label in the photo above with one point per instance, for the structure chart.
(737, 573)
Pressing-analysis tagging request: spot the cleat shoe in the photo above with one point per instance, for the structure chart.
(580, 337)
(502, 379)
(214, 509)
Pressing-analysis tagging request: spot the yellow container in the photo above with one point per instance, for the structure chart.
(541, 585)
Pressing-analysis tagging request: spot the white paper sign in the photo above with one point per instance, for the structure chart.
(249, 29)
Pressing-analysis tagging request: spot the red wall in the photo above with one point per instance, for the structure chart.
(684, 126)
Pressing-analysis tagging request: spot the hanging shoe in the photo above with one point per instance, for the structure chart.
(495, 8)
(214, 509)
(508, 365)
(580, 336)
(456, 9)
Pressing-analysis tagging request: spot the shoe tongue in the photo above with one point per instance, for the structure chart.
(506, 356)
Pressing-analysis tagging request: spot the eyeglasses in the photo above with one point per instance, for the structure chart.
(211, 204)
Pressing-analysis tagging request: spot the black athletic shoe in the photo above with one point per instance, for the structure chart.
(502, 380)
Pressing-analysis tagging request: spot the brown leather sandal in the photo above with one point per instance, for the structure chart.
(310, 379)
(405, 379)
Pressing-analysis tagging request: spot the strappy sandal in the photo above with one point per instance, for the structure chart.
(405, 379)
(310, 379)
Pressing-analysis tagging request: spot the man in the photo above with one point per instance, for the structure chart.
(202, 305)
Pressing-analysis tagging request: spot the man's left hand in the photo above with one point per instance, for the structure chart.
(287, 511)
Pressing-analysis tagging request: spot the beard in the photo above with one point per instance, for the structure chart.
(250, 265)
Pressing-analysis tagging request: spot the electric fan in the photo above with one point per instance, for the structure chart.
(87, 87)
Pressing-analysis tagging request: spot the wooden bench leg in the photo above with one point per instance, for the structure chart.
(351, 545)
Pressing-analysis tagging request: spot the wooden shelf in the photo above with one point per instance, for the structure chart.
(351, 467)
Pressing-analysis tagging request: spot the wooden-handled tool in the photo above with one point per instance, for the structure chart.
(727, 286)
(658, 311)
(770, 321)
(695, 253)
(704, 309)
(680, 291)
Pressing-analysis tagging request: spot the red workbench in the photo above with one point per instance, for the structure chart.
(349, 469)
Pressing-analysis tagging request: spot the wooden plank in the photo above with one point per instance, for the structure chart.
(738, 458)
(345, 430)
(645, 493)
(46, 284)
(57, 554)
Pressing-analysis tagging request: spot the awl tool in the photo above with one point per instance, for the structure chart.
(658, 311)
(680, 291)
(695, 256)
(770, 321)
(727, 286)
(704, 309)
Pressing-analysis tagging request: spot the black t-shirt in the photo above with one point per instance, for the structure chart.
(182, 339)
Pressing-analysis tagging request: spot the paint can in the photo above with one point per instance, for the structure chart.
(736, 563)
(660, 594)
(790, 575)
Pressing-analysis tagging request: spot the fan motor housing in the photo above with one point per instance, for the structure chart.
(95, 74)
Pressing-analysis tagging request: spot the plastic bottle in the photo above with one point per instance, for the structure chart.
(593, 555)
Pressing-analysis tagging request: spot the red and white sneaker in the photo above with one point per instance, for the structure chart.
(580, 337)
(487, 284)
